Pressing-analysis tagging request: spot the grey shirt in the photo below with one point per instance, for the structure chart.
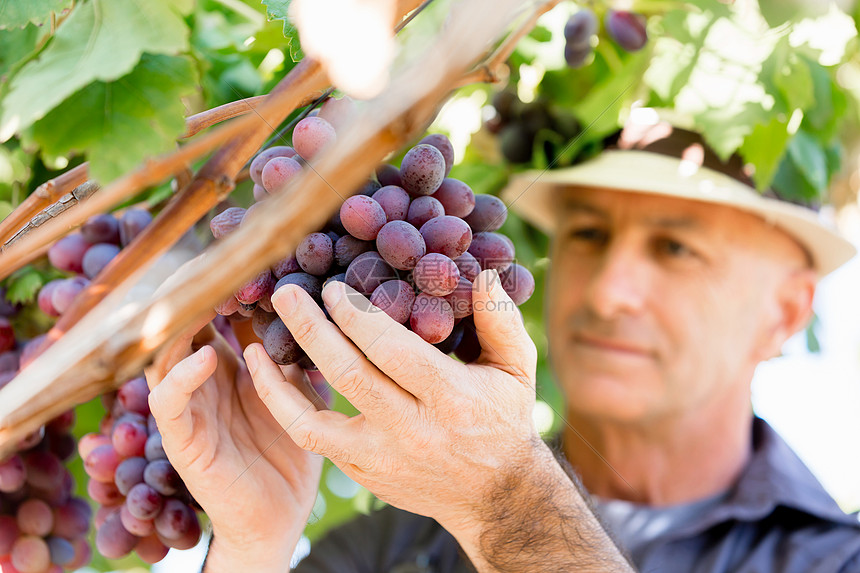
(776, 518)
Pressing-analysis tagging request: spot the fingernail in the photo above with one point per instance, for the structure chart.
(284, 297)
(251, 358)
(201, 355)
(332, 293)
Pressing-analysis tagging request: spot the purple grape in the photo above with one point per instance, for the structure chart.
(104, 493)
(46, 296)
(492, 250)
(7, 335)
(97, 258)
(103, 228)
(448, 235)
(133, 396)
(627, 29)
(256, 169)
(518, 282)
(422, 170)
(151, 550)
(337, 111)
(394, 201)
(44, 470)
(278, 172)
(340, 277)
(228, 307)
(309, 283)
(9, 361)
(348, 247)
(135, 526)
(154, 449)
(368, 188)
(388, 175)
(261, 285)
(436, 275)
(129, 473)
(448, 345)
(226, 221)
(160, 476)
(443, 144)
(261, 320)
(368, 271)
(315, 253)
(576, 56)
(7, 309)
(456, 197)
(280, 344)
(489, 213)
(285, 266)
(65, 292)
(432, 318)
(580, 28)
(401, 245)
(72, 520)
(101, 464)
(132, 223)
(62, 551)
(362, 217)
(190, 538)
(30, 554)
(260, 193)
(311, 135)
(144, 502)
(395, 298)
(8, 533)
(468, 265)
(35, 517)
(113, 540)
(129, 439)
(67, 254)
(461, 298)
(422, 209)
(469, 348)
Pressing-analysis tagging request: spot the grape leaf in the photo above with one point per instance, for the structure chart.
(24, 285)
(764, 147)
(17, 13)
(15, 45)
(101, 40)
(279, 10)
(810, 159)
(121, 122)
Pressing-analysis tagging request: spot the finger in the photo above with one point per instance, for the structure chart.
(169, 401)
(177, 349)
(340, 362)
(504, 341)
(416, 365)
(325, 432)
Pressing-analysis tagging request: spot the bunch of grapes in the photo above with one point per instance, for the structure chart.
(85, 253)
(627, 29)
(413, 240)
(145, 506)
(43, 527)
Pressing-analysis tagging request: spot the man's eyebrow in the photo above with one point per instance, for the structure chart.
(577, 206)
(680, 222)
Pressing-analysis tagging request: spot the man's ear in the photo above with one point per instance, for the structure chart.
(792, 310)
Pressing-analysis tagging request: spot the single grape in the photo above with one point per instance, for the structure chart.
(395, 298)
(13, 474)
(368, 188)
(388, 175)
(113, 540)
(129, 473)
(97, 258)
(468, 265)
(443, 144)
(30, 554)
(280, 344)
(83, 554)
(422, 209)
(144, 502)
(189, 538)
(174, 520)
(103, 228)
(67, 254)
(72, 520)
(469, 348)
(489, 213)
(448, 345)
(436, 275)
(368, 271)
(422, 170)
(151, 550)
(101, 464)
(261, 320)
(8, 533)
(448, 235)
(337, 111)
(62, 551)
(456, 197)
(45, 298)
(160, 476)
(394, 201)
(132, 223)
(315, 253)
(35, 517)
(261, 285)
(129, 439)
(627, 29)
(432, 318)
(518, 282)
(461, 299)
(580, 27)
(492, 250)
(65, 292)
(154, 449)
(104, 493)
(278, 172)
(44, 470)
(309, 283)
(90, 442)
(348, 247)
(135, 526)
(226, 221)
(285, 266)
(133, 396)
(401, 245)
(362, 217)
(8, 309)
(311, 135)
(256, 169)
(260, 193)
(576, 56)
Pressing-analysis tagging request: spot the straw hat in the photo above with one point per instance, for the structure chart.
(663, 160)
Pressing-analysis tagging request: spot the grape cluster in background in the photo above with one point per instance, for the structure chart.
(412, 240)
(627, 29)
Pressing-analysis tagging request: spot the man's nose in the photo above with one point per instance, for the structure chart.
(620, 282)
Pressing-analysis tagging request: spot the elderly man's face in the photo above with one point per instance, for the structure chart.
(656, 305)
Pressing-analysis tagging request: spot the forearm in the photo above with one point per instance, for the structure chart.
(535, 518)
(226, 557)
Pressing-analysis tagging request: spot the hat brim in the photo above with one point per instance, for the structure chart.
(532, 194)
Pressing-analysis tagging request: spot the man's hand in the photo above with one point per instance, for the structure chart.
(255, 484)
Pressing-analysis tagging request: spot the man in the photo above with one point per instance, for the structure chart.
(671, 280)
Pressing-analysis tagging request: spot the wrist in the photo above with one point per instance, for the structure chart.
(229, 554)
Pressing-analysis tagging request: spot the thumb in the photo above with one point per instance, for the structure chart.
(505, 344)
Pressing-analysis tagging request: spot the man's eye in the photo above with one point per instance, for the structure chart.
(588, 234)
(673, 248)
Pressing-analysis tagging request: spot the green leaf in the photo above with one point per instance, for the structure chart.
(279, 10)
(17, 13)
(120, 123)
(24, 285)
(15, 45)
(810, 159)
(790, 184)
(788, 78)
(101, 40)
(725, 129)
(764, 148)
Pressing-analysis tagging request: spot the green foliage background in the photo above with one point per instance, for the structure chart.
(110, 82)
